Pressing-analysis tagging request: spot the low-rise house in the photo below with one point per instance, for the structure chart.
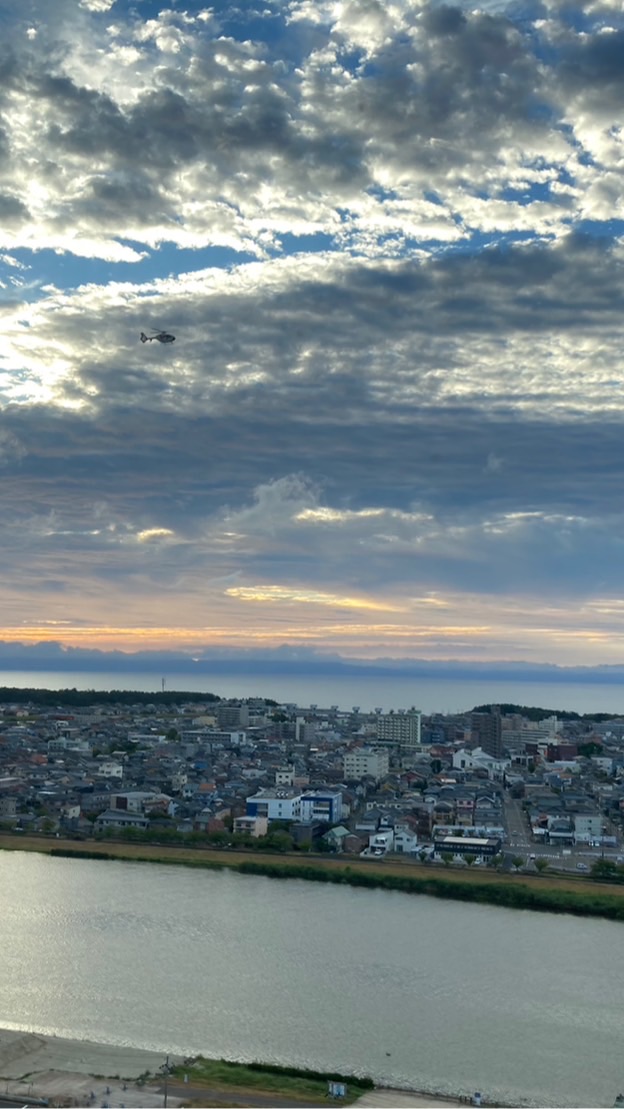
(253, 826)
(353, 844)
(335, 837)
(479, 760)
(560, 830)
(116, 818)
(208, 823)
(405, 838)
(142, 801)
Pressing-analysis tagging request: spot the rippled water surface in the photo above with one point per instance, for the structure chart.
(444, 996)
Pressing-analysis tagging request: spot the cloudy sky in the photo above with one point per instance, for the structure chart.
(389, 239)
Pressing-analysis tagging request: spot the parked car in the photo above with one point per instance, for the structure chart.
(582, 866)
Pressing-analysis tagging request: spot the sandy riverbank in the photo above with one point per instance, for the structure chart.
(33, 1065)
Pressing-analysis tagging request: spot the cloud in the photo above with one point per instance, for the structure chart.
(387, 122)
(387, 238)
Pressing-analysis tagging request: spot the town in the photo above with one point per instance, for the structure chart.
(497, 785)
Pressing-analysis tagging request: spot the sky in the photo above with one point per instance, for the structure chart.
(389, 241)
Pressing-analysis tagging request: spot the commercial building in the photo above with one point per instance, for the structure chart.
(291, 804)
(467, 845)
(275, 804)
(321, 805)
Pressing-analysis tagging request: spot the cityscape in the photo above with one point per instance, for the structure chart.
(496, 785)
(311, 400)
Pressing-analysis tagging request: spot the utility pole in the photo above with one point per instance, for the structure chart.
(166, 1080)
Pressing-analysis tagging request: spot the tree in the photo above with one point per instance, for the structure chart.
(604, 869)
(278, 841)
(446, 857)
(541, 865)
(590, 748)
(517, 862)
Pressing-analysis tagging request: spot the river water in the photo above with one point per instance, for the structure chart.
(442, 996)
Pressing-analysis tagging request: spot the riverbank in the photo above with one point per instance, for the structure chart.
(580, 896)
(82, 1073)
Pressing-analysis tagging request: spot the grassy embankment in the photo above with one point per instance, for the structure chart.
(268, 1078)
(545, 893)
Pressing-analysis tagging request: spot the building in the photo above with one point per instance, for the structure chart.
(324, 806)
(232, 717)
(275, 804)
(587, 826)
(285, 776)
(399, 729)
(487, 731)
(8, 807)
(305, 730)
(116, 818)
(366, 762)
(478, 759)
(467, 845)
(253, 826)
(321, 805)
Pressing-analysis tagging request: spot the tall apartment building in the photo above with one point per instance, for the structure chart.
(232, 716)
(399, 729)
(305, 730)
(487, 731)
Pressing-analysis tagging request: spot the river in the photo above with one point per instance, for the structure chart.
(436, 995)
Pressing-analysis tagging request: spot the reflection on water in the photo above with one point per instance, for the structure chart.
(437, 995)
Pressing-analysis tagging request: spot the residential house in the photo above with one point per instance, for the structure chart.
(253, 826)
(116, 818)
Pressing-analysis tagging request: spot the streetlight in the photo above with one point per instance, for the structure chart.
(165, 1070)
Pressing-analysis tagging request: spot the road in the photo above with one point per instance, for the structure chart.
(520, 842)
(518, 835)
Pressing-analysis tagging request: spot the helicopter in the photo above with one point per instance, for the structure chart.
(162, 336)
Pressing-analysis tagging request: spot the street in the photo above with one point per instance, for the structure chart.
(520, 842)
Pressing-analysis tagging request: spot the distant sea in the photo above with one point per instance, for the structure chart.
(366, 691)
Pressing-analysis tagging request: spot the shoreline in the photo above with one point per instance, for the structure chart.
(37, 1065)
(553, 894)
